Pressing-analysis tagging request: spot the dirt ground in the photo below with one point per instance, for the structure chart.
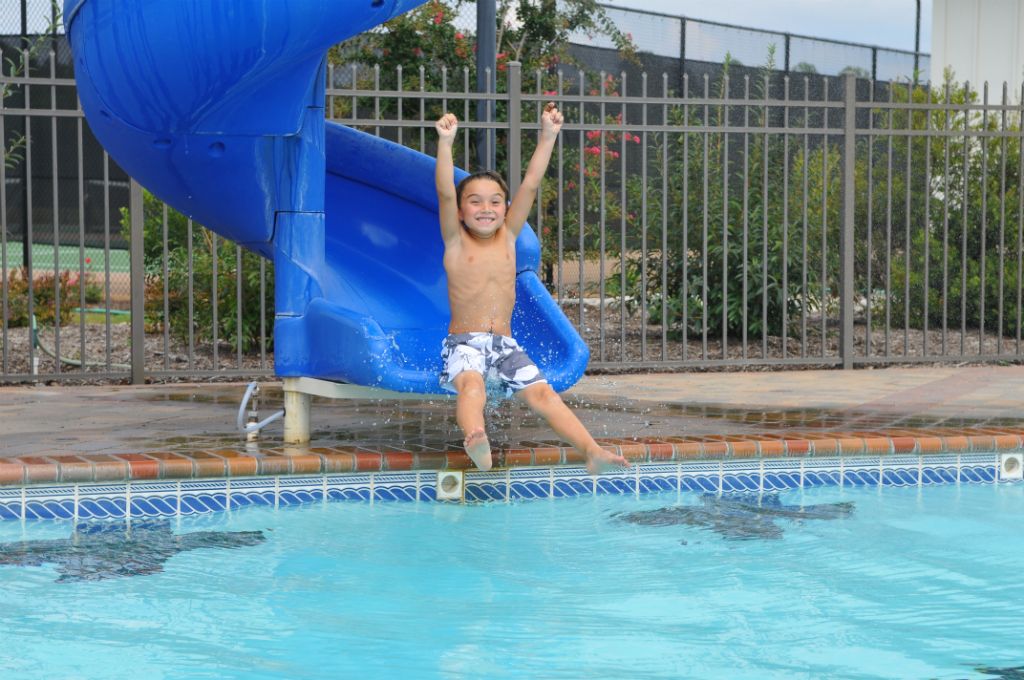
(626, 340)
(624, 346)
(114, 356)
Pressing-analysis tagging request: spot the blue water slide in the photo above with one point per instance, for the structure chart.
(217, 107)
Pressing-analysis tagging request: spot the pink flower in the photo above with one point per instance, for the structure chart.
(593, 134)
(417, 51)
(459, 36)
(636, 138)
(594, 151)
(88, 260)
(614, 154)
(439, 17)
(570, 186)
(550, 92)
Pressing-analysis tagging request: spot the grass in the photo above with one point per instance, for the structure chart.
(100, 318)
(69, 258)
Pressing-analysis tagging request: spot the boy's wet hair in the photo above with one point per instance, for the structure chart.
(485, 174)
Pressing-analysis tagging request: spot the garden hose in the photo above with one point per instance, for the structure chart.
(37, 342)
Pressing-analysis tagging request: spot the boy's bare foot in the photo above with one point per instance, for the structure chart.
(600, 460)
(478, 448)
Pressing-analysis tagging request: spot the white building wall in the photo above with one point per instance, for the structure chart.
(981, 40)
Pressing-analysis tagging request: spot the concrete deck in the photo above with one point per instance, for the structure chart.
(77, 434)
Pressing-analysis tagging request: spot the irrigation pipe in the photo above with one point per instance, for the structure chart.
(253, 426)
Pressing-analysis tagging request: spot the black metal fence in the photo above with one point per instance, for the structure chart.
(735, 220)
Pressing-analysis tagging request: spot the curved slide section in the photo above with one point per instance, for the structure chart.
(218, 109)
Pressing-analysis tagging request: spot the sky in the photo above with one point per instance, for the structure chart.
(885, 23)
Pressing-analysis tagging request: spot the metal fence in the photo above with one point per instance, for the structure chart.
(735, 221)
(98, 280)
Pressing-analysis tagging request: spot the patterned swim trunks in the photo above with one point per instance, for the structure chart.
(496, 357)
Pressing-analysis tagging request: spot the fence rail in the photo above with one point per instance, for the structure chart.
(730, 222)
(698, 40)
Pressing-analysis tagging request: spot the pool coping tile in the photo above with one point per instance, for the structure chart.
(857, 448)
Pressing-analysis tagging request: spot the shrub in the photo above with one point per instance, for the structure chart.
(209, 254)
(972, 237)
(45, 289)
(706, 257)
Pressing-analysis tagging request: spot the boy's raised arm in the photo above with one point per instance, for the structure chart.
(550, 124)
(448, 211)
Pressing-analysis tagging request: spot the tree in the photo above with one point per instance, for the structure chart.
(534, 32)
(857, 71)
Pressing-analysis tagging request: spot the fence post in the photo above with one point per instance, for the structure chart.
(849, 215)
(682, 56)
(486, 81)
(138, 285)
(515, 125)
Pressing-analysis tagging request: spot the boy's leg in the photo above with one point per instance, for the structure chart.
(469, 414)
(545, 402)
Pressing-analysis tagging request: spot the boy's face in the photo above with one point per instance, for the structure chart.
(483, 207)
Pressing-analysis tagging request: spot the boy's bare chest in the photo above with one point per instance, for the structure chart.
(490, 260)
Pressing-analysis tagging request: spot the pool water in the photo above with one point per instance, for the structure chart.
(828, 582)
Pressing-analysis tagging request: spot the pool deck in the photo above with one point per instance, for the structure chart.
(66, 434)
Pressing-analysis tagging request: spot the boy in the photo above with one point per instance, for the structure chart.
(479, 228)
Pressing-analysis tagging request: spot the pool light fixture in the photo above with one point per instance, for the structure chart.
(450, 485)
(1011, 466)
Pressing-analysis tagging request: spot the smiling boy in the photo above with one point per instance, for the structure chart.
(479, 227)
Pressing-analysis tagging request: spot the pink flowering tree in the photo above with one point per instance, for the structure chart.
(599, 205)
(430, 40)
(535, 33)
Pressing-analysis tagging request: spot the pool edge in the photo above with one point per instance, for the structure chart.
(176, 498)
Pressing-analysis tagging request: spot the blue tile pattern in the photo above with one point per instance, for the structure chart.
(203, 497)
(527, 483)
(488, 486)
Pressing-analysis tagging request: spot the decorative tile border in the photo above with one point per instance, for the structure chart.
(197, 497)
(240, 463)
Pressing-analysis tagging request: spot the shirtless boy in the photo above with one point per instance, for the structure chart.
(479, 228)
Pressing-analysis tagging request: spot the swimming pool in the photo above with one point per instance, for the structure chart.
(821, 582)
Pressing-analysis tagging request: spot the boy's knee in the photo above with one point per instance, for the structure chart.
(540, 395)
(470, 384)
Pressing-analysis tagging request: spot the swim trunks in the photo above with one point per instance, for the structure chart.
(498, 358)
